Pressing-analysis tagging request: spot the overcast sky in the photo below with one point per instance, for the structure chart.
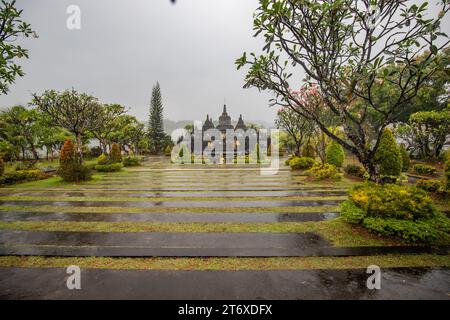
(125, 46)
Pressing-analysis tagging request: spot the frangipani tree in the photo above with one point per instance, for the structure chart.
(345, 48)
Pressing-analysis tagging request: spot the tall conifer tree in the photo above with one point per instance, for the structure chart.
(155, 122)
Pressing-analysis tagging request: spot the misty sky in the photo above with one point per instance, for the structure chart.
(125, 46)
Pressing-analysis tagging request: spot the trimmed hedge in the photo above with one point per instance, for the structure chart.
(302, 163)
(403, 212)
(355, 170)
(131, 161)
(20, 176)
(324, 171)
(335, 154)
(429, 185)
(109, 167)
(424, 169)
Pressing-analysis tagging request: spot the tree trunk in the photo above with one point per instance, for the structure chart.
(79, 149)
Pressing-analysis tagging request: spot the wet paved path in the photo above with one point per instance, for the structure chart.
(410, 283)
(257, 195)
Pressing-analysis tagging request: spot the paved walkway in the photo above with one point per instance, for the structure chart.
(35, 283)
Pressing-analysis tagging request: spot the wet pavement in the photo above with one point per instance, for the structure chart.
(173, 204)
(166, 217)
(186, 244)
(50, 283)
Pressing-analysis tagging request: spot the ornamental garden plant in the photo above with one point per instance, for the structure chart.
(111, 162)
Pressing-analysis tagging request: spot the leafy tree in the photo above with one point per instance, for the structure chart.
(427, 133)
(335, 154)
(155, 123)
(76, 112)
(107, 123)
(388, 156)
(346, 49)
(297, 127)
(24, 129)
(11, 28)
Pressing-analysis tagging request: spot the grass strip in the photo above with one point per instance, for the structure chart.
(336, 231)
(279, 263)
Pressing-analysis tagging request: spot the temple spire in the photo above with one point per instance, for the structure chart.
(224, 109)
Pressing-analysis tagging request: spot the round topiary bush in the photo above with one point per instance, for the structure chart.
(302, 163)
(116, 155)
(335, 154)
(404, 212)
(113, 167)
(131, 161)
(405, 158)
(308, 151)
(355, 170)
(424, 169)
(388, 157)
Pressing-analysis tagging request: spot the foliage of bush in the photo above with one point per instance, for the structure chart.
(392, 200)
(116, 155)
(447, 172)
(24, 166)
(109, 167)
(324, 171)
(309, 151)
(429, 185)
(20, 176)
(424, 169)
(355, 170)
(289, 159)
(103, 159)
(2, 166)
(397, 211)
(95, 152)
(388, 156)
(168, 151)
(335, 154)
(298, 163)
(131, 161)
(70, 169)
(405, 158)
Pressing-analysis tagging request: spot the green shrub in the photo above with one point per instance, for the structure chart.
(131, 161)
(116, 156)
(103, 159)
(301, 163)
(70, 169)
(429, 185)
(447, 172)
(168, 151)
(351, 213)
(424, 169)
(20, 176)
(2, 166)
(355, 170)
(405, 158)
(308, 151)
(393, 201)
(324, 171)
(335, 154)
(289, 159)
(396, 211)
(425, 231)
(24, 166)
(74, 172)
(388, 157)
(109, 167)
